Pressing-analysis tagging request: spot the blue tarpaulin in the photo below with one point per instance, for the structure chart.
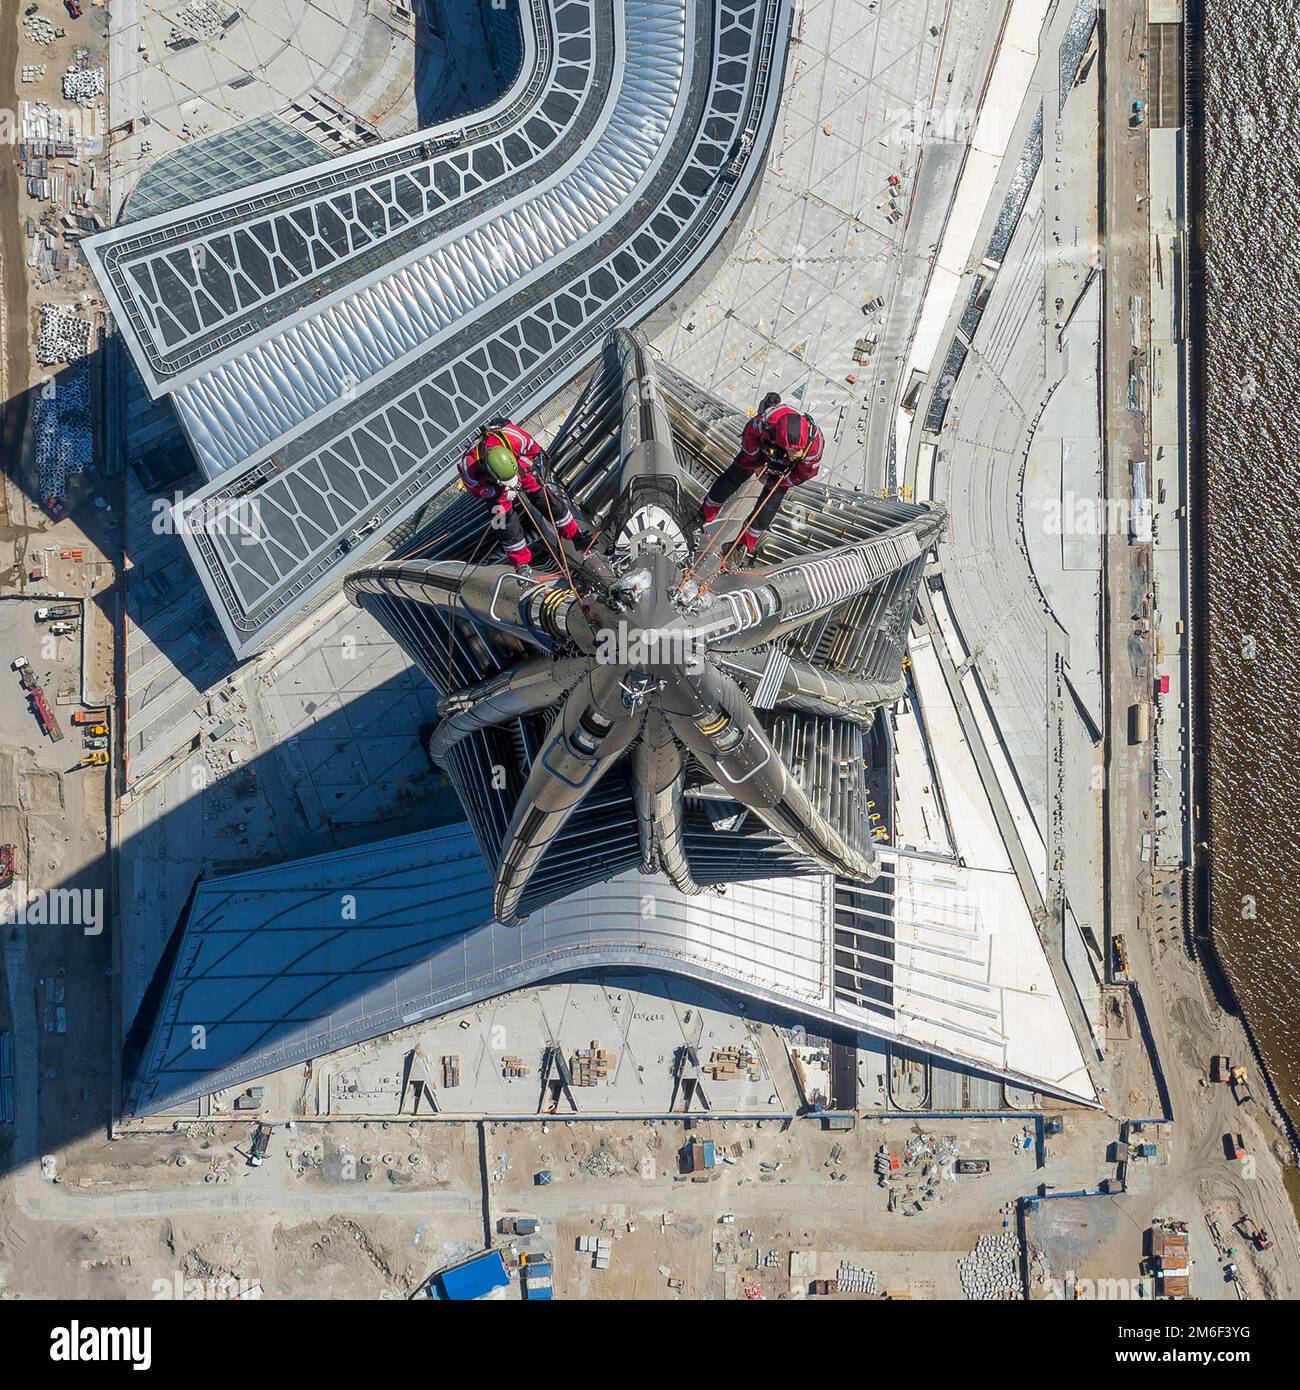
(480, 1276)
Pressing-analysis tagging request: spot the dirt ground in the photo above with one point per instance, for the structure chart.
(342, 1211)
(790, 1190)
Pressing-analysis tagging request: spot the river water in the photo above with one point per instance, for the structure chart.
(1252, 450)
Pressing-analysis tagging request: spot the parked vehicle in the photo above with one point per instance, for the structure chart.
(44, 714)
(1139, 722)
(1240, 1085)
(49, 615)
(1257, 1235)
(261, 1142)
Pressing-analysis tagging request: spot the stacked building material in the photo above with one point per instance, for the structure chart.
(83, 84)
(990, 1271)
(854, 1279)
(589, 1065)
(38, 29)
(61, 433)
(64, 335)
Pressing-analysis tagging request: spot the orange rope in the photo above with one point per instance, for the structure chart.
(762, 502)
(541, 535)
(568, 578)
(719, 524)
(451, 609)
(415, 554)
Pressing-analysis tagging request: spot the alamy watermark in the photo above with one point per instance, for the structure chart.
(224, 1287)
(649, 646)
(237, 518)
(54, 907)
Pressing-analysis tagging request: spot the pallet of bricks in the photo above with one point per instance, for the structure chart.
(513, 1066)
(729, 1063)
(589, 1065)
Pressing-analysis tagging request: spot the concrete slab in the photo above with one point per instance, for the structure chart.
(640, 1021)
(980, 913)
(867, 99)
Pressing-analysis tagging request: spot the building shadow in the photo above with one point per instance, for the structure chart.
(69, 1005)
(467, 54)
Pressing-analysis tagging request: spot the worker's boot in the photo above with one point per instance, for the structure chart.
(581, 540)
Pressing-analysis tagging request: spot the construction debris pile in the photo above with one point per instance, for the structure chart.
(64, 335)
(925, 1148)
(83, 84)
(601, 1163)
(989, 1271)
(912, 1176)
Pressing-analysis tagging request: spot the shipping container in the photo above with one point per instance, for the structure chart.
(1140, 722)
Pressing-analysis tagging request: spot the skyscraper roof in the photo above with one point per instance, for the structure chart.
(730, 843)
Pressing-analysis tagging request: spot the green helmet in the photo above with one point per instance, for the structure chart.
(501, 461)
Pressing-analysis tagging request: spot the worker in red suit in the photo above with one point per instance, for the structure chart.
(781, 448)
(506, 461)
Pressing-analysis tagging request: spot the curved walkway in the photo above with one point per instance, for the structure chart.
(331, 339)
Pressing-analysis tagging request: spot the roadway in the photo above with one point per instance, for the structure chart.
(1127, 569)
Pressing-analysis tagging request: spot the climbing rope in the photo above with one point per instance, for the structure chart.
(762, 502)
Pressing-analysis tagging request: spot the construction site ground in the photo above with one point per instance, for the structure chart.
(346, 1206)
